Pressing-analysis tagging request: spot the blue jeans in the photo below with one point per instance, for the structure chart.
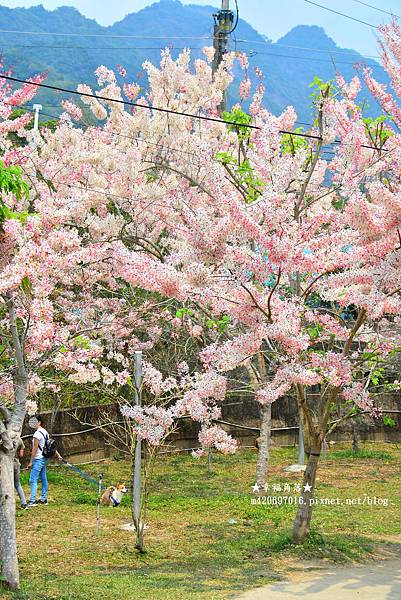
(38, 470)
(17, 482)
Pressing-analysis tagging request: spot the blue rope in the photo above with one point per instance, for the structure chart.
(84, 475)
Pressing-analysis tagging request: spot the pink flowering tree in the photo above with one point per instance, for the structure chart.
(173, 391)
(299, 260)
(13, 381)
(293, 247)
(107, 178)
(184, 395)
(56, 312)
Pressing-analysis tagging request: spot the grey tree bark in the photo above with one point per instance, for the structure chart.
(10, 430)
(8, 542)
(313, 428)
(258, 376)
(10, 435)
(304, 514)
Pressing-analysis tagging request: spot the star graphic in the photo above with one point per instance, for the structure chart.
(307, 487)
(256, 488)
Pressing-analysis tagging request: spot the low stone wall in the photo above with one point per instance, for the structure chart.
(81, 440)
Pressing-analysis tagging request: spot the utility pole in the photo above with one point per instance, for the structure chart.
(37, 108)
(301, 451)
(223, 26)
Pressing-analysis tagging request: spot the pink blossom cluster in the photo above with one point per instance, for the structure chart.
(31, 407)
(72, 109)
(360, 396)
(151, 423)
(205, 390)
(245, 88)
(216, 437)
(334, 367)
(154, 381)
(232, 353)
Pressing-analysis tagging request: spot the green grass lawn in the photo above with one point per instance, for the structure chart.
(205, 537)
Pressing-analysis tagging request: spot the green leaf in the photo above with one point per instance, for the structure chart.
(82, 342)
(388, 421)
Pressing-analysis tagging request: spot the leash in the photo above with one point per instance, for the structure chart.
(84, 475)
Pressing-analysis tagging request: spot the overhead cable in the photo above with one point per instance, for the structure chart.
(340, 13)
(386, 12)
(167, 110)
(101, 35)
(126, 102)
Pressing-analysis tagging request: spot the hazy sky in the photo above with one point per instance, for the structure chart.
(269, 17)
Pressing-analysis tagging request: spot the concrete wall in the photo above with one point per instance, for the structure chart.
(92, 444)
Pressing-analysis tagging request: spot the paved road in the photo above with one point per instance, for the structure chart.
(376, 581)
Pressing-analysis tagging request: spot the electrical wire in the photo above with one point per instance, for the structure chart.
(102, 47)
(125, 102)
(169, 111)
(386, 12)
(325, 50)
(236, 20)
(336, 12)
(145, 140)
(101, 35)
(147, 37)
(160, 37)
(141, 139)
(147, 48)
(308, 58)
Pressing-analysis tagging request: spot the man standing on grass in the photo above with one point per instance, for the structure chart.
(38, 462)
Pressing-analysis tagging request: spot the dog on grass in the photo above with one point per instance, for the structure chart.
(113, 495)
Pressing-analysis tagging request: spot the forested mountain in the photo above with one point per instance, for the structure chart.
(288, 65)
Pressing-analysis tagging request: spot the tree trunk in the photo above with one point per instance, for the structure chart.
(8, 539)
(264, 444)
(302, 520)
(10, 431)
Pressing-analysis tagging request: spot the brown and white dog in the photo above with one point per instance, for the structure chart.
(113, 495)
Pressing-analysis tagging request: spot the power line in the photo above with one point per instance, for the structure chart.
(341, 14)
(103, 47)
(308, 58)
(169, 111)
(146, 37)
(122, 135)
(307, 48)
(377, 8)
(317, 137)
(101, 35)
(147, 48)
(325, 50)
(125, 102)
(164, 147)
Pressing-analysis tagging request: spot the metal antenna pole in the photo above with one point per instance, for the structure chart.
(138, 450)
(98, 504)
(223, 23)
(37, 108)
(301, 452)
